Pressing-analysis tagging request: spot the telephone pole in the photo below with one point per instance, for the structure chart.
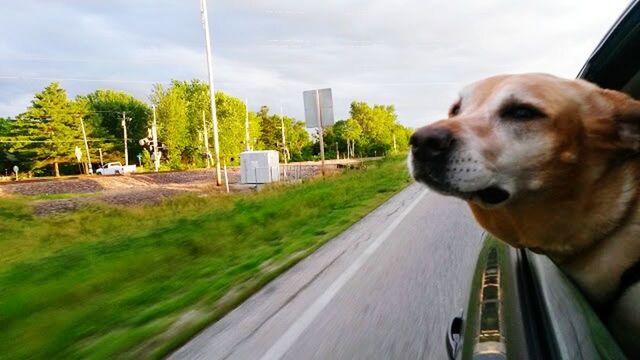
(247, 140)
(318, 107)
(154, 135)
(86, 147)
(212, 94)
(206, 140)
(284, 142)
(126, 148)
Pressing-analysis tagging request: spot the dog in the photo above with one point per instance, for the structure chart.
(552, 165)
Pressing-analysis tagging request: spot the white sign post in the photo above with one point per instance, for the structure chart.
(15, 170)
(318, 112)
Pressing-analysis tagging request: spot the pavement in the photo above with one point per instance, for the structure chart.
(386, 288)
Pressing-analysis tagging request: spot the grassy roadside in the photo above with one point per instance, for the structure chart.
(135, 282)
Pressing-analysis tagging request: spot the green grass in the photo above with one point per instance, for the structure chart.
(108, 281)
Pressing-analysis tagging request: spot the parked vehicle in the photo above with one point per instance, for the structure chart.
(521, 306)
(115, 168)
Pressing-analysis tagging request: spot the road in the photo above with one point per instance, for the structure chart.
(384, 289)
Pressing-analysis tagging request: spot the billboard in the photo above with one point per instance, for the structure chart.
(311, 98)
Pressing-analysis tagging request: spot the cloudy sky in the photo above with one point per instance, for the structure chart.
(415, 54)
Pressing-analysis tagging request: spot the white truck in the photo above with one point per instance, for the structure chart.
(115, 168)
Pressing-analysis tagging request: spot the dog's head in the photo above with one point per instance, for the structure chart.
(510, 136)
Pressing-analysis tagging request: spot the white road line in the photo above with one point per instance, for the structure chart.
(280, 347)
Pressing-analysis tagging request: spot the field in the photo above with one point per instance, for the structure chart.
(107, 281)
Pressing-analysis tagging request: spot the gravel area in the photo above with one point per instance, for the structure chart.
(135, 188)
(52, 187)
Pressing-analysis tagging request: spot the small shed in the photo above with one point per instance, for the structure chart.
(259, 167)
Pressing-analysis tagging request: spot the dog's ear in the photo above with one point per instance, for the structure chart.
(617, 125)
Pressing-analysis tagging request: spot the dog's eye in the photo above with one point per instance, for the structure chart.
(521, 112)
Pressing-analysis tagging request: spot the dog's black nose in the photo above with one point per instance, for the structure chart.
(428, 143)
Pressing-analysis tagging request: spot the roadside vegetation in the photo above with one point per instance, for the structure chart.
(42, 140)
(135, 282)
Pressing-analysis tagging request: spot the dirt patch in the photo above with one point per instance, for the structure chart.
(53, 187)
(141, 188)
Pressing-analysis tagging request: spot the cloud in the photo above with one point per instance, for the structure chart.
(414, 54)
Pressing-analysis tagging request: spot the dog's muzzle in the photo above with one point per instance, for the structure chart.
(437, 162)
(430, 151)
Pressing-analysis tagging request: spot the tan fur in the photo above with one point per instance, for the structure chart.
(574, 176)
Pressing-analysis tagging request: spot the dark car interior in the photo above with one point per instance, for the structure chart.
(614, 64)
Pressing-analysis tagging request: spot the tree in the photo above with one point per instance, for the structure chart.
(106, 108)
(180, 123)
(378, 125)
(7, 158)
(402, 135)
(231, 119)
(172, 121)
(270, 133)
(296, 134)
(298, 139)
(347, 133)
(50, 128)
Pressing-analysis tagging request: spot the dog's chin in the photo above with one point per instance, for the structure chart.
(488, 197)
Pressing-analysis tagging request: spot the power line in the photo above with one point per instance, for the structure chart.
(62, 141)
(52, 141)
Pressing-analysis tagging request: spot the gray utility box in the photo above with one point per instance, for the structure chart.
(259, 167)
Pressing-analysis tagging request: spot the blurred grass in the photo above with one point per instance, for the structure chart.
(136, 282)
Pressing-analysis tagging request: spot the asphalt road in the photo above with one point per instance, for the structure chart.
(385, 289)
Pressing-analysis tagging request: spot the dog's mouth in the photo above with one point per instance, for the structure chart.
(489, 196)
(493, 195)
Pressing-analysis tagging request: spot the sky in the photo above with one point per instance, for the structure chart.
(414, 54)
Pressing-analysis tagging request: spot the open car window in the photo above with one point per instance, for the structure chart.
(615, 64)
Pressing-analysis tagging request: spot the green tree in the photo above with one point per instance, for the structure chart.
(348, 133)
(196, 96)
(172, 121)
(378, 125)
(269, 130)
(296, 134)
(180, 122)
(298, 139)
(231, 120)
(7, 158)
(402, 135)
(106, 109)
(50, 128)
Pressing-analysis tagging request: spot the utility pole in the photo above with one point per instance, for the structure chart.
(337, 152)
(101, 162)
(395, 149)
(321, 131)
(247, 140)
(206, 140)
(154, 135)
(284, 142)
(348, 149)
(212, 94)
(86, 147)
(126, 148)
